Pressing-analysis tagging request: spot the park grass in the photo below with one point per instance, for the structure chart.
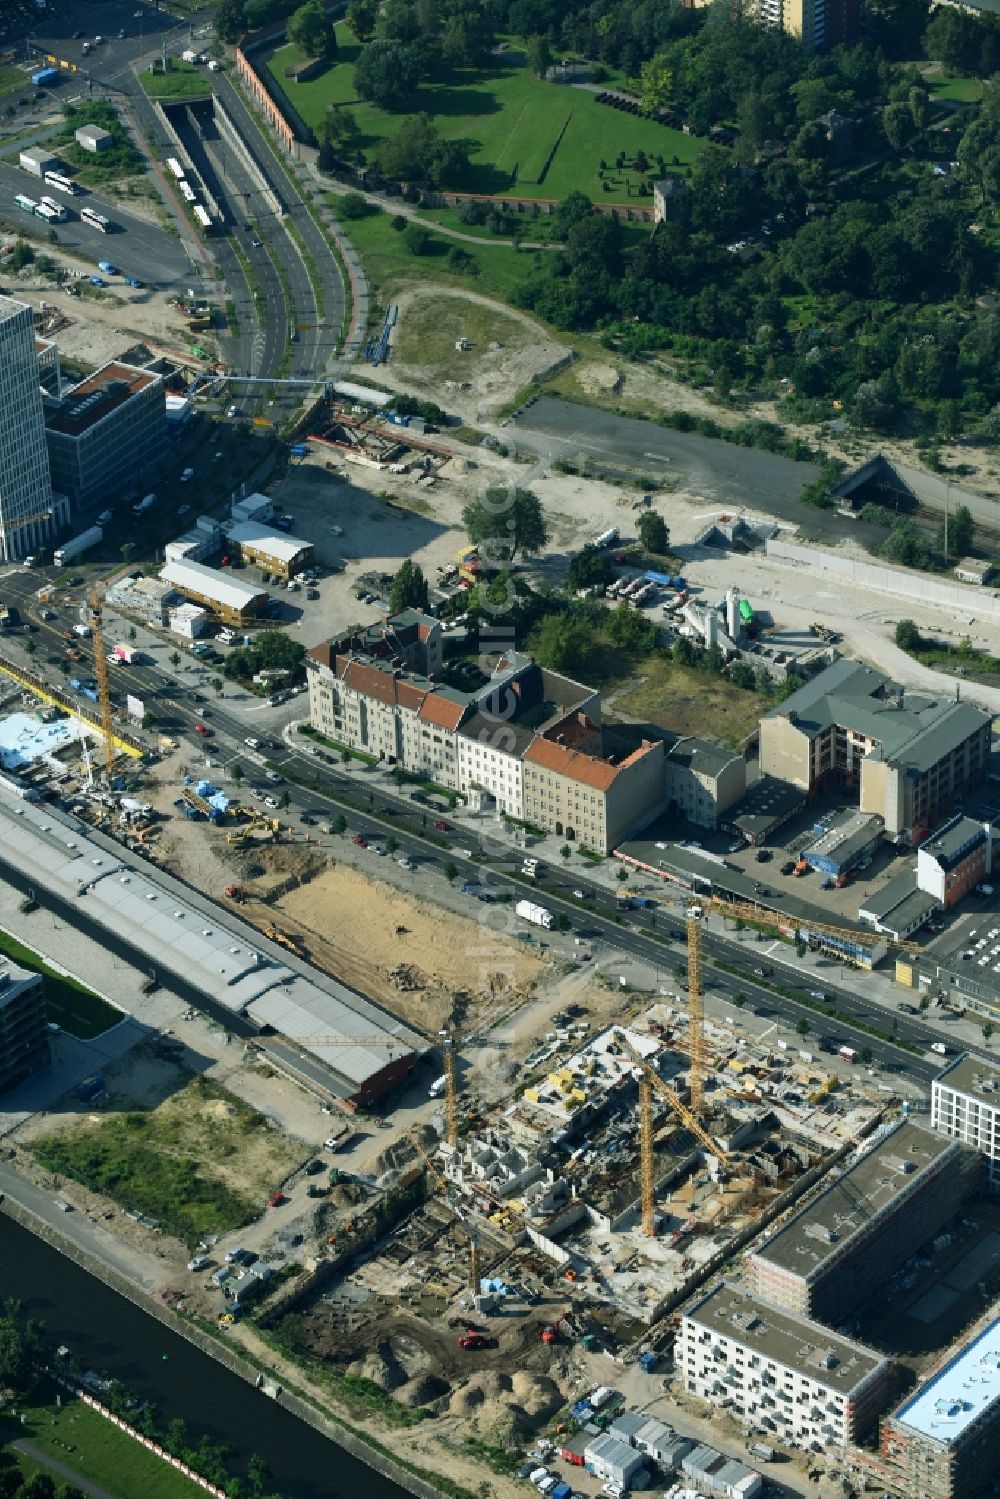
(12, 79)
(389, 265)
(201, 1162)
(426, 335)
(513, 121)
(956, 89)
(184, 81)
(67, 1002)
(77, 1437)
(683, 699)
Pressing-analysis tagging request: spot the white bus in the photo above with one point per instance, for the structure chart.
(175, 167)
(28, 204)
(95, 220)
(43, 211)
(202, 216)
(58, 211)
(63, 184)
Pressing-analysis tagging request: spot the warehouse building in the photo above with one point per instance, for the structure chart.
(104, 433)
(268, 548)
(965, 1105)
(715, 1473)
(955, 859)
(899, 908)
(23, 1034)
(896, 1194)
(94, 138)
(792, 1377)
(230, 600)
(942, 1442)
(336, 1042)
(844, 841)
(908, 756)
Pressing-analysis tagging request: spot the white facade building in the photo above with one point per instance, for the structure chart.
(965, 1105)
(28, 514)
(790, 1376)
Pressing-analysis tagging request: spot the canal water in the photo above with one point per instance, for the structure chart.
(113, 1336)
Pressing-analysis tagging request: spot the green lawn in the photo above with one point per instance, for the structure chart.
(12, 79)
(958, 90)
(681, 698)
(77, 1437)
(514, 120)
(184, 81)
(77, 1009)
(388, 263)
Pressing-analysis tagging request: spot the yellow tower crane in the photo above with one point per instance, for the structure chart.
(651, 1079)
(101, 672)
(450, 1090)
(442, 1186)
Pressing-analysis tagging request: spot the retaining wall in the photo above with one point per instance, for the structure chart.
(966, 599)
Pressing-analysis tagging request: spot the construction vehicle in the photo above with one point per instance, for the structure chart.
(472, 1341)
(550, 1333)
(284, 939)
(235, 893)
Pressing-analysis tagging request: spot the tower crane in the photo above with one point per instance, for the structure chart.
(101, 672)
(461, 1216)
(450, 1089)
(649, 1080)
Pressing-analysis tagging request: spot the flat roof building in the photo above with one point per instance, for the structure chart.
(106, 432)
(28, 512)
(267, 547)
(235, 602)
(94, 138)
(24, 1044)
(843, 840)
(909, 755)
(941, 1443)
(800, 1381)
(955, 859)
(895, 1194)
(965, 1105)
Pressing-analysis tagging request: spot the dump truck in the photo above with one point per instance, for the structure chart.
(537, 915)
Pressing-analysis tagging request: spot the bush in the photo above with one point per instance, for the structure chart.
(356, 206)
(418, 239)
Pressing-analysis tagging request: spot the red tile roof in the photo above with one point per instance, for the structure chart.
(572, 764)
(442, 711)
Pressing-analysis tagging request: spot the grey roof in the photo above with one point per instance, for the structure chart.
(210, 583)
(766, 805)
(627, 1424)
(899, 888)
(498, 733)
(950, 842)
(975, 1076)
(701, 755)
(909, 914)
(910, 729)
(809, 1348)
(880, 1178)
(849, 835)
(203, 944)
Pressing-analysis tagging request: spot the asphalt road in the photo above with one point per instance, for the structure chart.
(134, 245)
(173, 699)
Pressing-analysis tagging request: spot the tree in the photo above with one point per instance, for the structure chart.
(230, 20)
(960, 528)
(590, 569)
(565, 851)
(656, 79)
(339, 824)
(418, 239)
(653, 533)
(133, 633)
(15, 1364)
(987, 1031)
(560, 921)
(802, 1027)
(504, 522)
(174, 659)
(258, 1474)
(11, 1482)
(907, 636)
(409, 588)
(387, 74)
(538, 54)
(39, 1486)
(70, 1491)
(355, 206)
(362, 16)
(29, 647)
(562, 643)
(739, 1000)
(450, 870)
(312, 29)
(391, 845)
(897, 122)
(286, 800)
(418, 153)
(128, 552)
(865, 1055)
(630, 630)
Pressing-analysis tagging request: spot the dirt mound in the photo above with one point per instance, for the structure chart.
(536, 1393)
(466, 1401)
(346, 1195)
(383, 1372)
(599, 377)
(502, 1425)
(404, 1152)
(423, 1390)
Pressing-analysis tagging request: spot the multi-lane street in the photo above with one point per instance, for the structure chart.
(376, 808)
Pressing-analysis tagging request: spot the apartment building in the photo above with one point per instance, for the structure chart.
(817, 24)
(894, 1195)
(105, 432)
(23, 1035)
(704, 780)
(955, 859)
(965, 1105)
(588, 785)
(907, 756)
(28, 513)
(941, 1443)
(808, 1386)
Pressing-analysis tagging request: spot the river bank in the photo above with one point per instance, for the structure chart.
(117, 1326)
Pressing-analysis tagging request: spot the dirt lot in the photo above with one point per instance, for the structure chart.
(413, 957)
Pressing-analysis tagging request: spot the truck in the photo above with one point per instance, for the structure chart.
(108, 267)
(124, 653)
(537, 915)
(606, 539)
(437, 1087)
(82, 630)
(44, 77)
(848, 1053)
(146, 503)
(77, 545)
(189, 56)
